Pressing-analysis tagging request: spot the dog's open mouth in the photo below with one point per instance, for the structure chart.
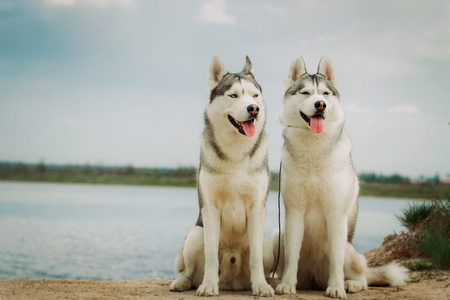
(246, 128)
(316, 122)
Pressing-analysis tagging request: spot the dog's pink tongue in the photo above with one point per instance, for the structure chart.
(317, 124)
(249, 128)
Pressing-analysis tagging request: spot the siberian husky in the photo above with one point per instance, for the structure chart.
(320, 190)
(227, 249)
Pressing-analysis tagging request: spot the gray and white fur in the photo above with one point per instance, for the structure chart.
(227, 250)
(320, 191)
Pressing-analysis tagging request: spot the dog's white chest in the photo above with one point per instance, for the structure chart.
(233, 218)
(233, 198)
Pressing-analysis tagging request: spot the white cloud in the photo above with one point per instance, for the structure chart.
(60, 2)
(368, 59)
(392, 47)
(435, 41)
(65, 124)
(95, 3)
(404, 108)
(357, 109)
(214, 12)
(276, 9)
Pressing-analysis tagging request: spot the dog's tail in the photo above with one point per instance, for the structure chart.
(391, 274)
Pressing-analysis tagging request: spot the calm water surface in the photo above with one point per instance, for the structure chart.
(110, 232)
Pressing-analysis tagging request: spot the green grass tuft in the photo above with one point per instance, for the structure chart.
(428, 224)
(420, 265)
(435, 245)
(416, 214)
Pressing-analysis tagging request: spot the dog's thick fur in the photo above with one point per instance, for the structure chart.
(227, 249)
(320, 191)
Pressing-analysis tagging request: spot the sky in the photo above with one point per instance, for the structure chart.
(124, 82)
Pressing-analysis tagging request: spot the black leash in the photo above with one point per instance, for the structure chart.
(279, 220)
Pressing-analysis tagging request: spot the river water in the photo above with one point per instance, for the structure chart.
(113, 232)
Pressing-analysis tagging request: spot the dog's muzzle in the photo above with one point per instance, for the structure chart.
(246, 128)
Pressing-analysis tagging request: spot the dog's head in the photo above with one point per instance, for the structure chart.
(235, 99)
(310, 101)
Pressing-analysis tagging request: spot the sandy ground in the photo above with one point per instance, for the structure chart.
(435, 285)
(423, 285)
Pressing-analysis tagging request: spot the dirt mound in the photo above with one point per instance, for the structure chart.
(395, 247)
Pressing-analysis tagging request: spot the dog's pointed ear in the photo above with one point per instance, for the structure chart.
(296, 69)
(216, 72)
(248, 68)
(326, 69)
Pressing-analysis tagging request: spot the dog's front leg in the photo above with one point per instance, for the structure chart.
(211, 225)
(256, 219)
(337, 235)
(293, 237)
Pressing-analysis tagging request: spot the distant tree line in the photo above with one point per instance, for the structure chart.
(179, 172)
(175, 173)
(371, 184)
(380, 178)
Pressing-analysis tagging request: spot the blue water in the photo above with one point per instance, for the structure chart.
(110, 232)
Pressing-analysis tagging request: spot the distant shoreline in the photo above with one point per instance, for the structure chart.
(394, 186)
(367, 189)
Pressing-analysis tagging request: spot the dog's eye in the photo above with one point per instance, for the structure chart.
(255, 96)
(233, 95)
(326, 93)
(304, 93)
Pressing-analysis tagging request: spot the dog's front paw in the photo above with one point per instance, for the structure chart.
(335, 292)
(286, 288)
(181, 284)
(208, 289)
(262, 290)
(353, 286)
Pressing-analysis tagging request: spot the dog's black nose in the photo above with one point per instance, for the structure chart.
(320, 105)
(253, 109)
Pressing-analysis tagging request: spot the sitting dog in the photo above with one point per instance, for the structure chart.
(320, 191)
(227, 249)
